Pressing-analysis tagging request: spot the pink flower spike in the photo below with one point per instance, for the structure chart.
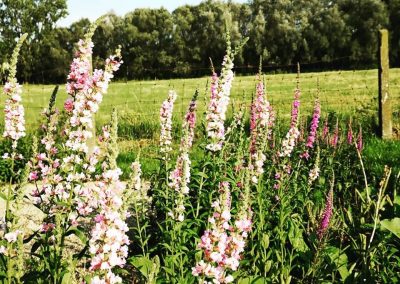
(326, 215)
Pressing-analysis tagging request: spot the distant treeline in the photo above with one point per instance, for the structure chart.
(320, 34)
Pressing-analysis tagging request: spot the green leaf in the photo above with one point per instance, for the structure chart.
(296, 238)
(66, 278)
(252, 280)
(143, 264)
(265, 241)
(201, 174)
(392, 225)
(3, 196)
(78, 233)
(339, 258)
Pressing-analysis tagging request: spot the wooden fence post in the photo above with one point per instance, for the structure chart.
(385, 106)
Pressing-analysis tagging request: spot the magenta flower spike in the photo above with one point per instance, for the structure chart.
(326, 215)
(314, 124)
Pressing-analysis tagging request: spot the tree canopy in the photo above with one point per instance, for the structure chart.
(156, 43)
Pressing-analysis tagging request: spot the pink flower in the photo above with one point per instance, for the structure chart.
(314, 124)
(47, 227)
(166, 124)
(33, 176)
(289, 142)
(218, 105)
(261, 123)
(180, 176)
(69, 105)
(350, 134)
(14, 121)
(223, 243)
(326, 216)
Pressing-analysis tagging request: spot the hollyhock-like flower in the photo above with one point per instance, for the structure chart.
(109, 242)
(219, 101)
(314, 124)
(314, 172)
(326, 215)
(14, 125)
(87, 91)
(223, 243)
(290, 140)
(166, 124)
(12, 237)
(260, 130)
(180, 176)
(14, 121)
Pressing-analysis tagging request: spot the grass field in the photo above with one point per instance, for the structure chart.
(340, 91)
(350, 93)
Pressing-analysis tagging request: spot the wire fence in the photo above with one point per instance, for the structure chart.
(340, 91)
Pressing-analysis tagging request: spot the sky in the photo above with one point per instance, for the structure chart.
(93, 9)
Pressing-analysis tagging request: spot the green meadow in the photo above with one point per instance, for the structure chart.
(344, 92)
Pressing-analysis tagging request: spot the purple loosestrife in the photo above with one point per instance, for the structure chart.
(219, 101)
(350, 134)
(223, 243)
(166, 110)
(326, 216)
(260, 130)
(180, 176)
(290, 140)
(314, 124)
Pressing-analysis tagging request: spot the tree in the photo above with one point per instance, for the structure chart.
(35, 17)
(364, 18)
(393, 7)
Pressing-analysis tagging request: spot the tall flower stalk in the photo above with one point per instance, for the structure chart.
(66, 194)
(314, 125)
(326, 215)
(219, 101)
(109, 241)
(166, 111)
(289, 142)
(223, 243)
(180, 177)
(261, 121)
(14, 129)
